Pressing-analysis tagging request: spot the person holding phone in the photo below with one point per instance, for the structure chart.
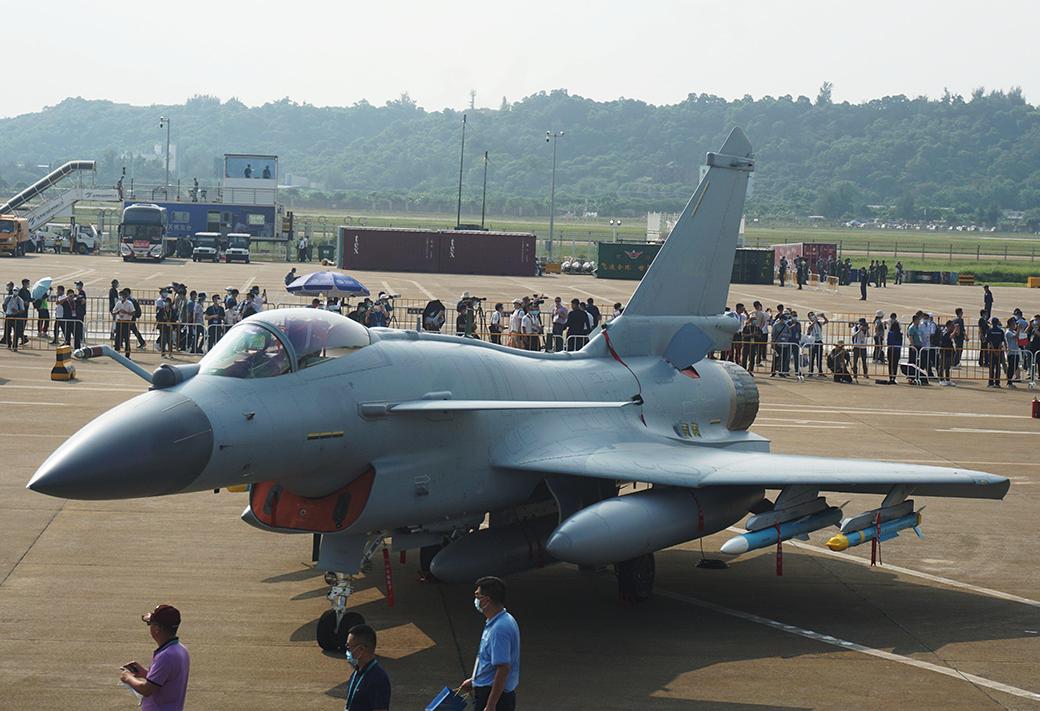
(163, 684)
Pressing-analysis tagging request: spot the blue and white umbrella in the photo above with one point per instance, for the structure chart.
(40, 288)
(328, 283)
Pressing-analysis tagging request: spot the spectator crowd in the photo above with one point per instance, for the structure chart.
(779, 341)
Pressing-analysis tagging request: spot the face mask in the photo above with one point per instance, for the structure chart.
(351, 660)
(476, 604)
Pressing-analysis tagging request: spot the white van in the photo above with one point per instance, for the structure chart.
(237, 248)
(206, 246)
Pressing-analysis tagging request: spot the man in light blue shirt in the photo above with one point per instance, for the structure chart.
(496, 672)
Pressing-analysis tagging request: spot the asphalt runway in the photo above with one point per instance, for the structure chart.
(951, 621)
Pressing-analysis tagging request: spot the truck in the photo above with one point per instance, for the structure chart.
(237, 247)
(206, 246)
(142, 232)
(58, 238)
(14, 235)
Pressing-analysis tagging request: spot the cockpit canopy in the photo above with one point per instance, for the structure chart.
(282, 340)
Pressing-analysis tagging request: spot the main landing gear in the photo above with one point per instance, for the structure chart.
(335, 624)
(635, 579)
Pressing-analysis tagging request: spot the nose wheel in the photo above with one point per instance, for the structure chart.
(332, 632)
(335, 624)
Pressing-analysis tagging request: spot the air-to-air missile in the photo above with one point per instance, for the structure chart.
(761, 538)
(881, 531)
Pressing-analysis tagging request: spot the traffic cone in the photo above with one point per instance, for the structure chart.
(1036, 407)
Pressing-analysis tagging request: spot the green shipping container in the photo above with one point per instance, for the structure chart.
(620, 260)
(753, 266)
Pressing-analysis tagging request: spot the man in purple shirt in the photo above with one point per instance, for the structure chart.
(164, 683)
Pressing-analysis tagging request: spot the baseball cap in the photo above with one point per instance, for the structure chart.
(165, 615)
(517, 301)
(77, 283)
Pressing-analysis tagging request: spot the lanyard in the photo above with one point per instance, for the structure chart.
(353, 688)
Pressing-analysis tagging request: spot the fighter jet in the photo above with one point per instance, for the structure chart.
(489, 459)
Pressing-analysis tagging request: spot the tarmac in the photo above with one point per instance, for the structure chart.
(951, 621)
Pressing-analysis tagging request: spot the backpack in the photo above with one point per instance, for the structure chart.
(137, 308)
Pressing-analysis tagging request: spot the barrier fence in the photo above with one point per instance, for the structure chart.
(759, 355)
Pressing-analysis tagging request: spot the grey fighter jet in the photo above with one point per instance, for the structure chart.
(492, 460)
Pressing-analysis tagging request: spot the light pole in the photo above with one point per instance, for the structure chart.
(616, 225)
(483, 199)
(164, 122)
(553, 136)
(462, 155)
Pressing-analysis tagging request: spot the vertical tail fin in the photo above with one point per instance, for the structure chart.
(690, 276)
(689, 280)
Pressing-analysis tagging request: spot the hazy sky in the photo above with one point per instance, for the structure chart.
(336, 53)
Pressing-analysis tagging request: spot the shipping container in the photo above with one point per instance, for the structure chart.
(389, 249)
(490, 253)
(620, 260)
(753, 266)
(813, 251)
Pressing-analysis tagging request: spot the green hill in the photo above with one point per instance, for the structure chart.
(963, 158)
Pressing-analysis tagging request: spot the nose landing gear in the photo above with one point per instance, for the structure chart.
(335, 624)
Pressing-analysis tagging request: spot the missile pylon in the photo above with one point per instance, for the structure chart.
(753, 540)
(887, 530)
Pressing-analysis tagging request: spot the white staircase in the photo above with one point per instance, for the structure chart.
(43, 212)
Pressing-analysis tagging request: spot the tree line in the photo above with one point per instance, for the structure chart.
(955, 158)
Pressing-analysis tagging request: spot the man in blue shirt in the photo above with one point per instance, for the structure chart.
(496, 672)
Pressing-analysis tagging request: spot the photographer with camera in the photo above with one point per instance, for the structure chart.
(470, 306)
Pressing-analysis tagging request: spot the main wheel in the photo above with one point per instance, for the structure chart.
(81, 248)
(426, 556)
(636, 578)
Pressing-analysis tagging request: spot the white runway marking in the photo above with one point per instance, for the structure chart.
(989, 592)
(949, 582)
(968, 430)
(152, 276)
(91, 281)
(602, 299)
(245, 289)
(826, 409)
(800, 422)
(75, 387)
(852, 646)
(35, 404)
(387, 287)
(537, 289)
(70, 275)
(420, 287)
(811, 427)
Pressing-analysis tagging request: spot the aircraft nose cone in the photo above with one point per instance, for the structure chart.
(155, 444)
